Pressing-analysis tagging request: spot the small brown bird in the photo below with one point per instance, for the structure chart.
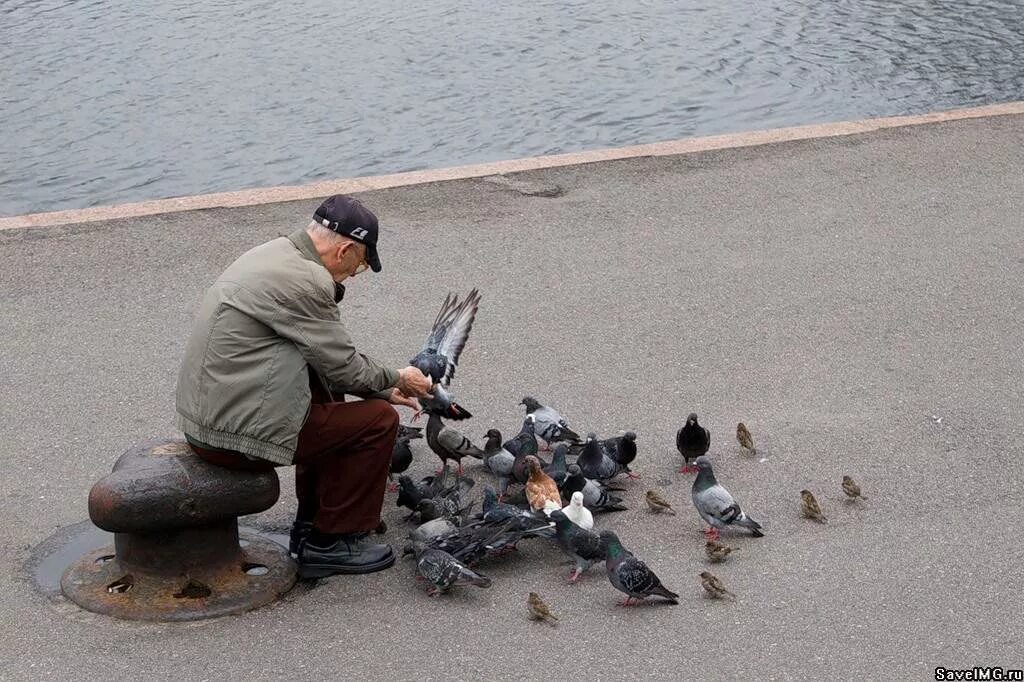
(538, 610)
(745, 439)
(810, 507)
(541, 489)
(717, 553)
(713, 586)
(659, 504)
(851, 488)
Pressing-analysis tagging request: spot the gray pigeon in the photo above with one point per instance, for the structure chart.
(401, 458)
(631, 575)
(443, 571)
(425, 532)
(447, 443)
(595, 462)
(595, 495)
(692, 441)
(558, 470)
(440, 353)
(583, 545)
(715, 505)
(551, 427)
(522, 446)
(409, 432)
(498, 460)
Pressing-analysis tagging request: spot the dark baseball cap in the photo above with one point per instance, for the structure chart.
(349, 217)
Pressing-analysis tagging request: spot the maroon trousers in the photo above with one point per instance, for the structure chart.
(341, 464)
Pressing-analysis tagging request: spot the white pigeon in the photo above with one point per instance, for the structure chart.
(577, 513)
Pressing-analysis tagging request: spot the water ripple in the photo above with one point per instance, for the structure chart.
(111, 102)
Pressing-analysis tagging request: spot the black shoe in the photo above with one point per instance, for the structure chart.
(349, 554)
(300, 531)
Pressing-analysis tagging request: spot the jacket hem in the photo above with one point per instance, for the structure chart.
(236, 442)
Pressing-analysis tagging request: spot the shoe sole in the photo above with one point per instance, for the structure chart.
(308, 571)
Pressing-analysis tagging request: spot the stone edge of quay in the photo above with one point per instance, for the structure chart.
(271, 195)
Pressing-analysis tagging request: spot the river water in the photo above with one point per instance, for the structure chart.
(106, 102)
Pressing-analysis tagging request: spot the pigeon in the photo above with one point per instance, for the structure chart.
(440, 353)
(577, 513)
(625, 451)
(409, 432)
(746, 441)
(583, 545)
(541, 490)
(551, 426)
(443, 571)
(425, 532)
(447, 443)
(498, 460)
(692, 441)
(713, 586)
(498, 530)
(401, 458)
(522, 446)
(658, 504)
(717, 553)
(810, 508)
(631, 575)
(558, 469)
(434, 497)
(851, 489)
(410, 494)
(450, 503)
(595, 495)
(494, 510)
(538, 610)
(595, 463)
(715, 505)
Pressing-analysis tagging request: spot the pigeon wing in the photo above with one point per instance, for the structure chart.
(456, 332)
(636, 578)
(454, 442)
(716, 503)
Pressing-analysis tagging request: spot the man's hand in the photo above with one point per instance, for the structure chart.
(412, 383)
(398, 399)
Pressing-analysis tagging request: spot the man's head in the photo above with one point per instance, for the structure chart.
(345, 234)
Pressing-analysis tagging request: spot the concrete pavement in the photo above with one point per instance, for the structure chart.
(839, 295)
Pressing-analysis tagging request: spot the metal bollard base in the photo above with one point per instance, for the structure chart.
(262, 572)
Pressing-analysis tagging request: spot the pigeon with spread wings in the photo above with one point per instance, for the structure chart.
(440, 353)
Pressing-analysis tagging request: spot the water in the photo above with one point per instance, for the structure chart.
(104, 102)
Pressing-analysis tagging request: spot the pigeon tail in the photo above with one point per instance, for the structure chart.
(457, 412)
(663, 591)
(569, 435)
(750, 524)
(479, 580)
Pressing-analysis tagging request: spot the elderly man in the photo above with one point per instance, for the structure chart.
(264, 377)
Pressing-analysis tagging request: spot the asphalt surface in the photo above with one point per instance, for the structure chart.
(856, 301)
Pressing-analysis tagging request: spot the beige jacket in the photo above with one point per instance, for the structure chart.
(265, 322)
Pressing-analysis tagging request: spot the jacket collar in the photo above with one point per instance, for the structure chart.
(301, 240)
(305, 246)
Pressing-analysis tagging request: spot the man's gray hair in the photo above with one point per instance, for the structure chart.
(324, 234)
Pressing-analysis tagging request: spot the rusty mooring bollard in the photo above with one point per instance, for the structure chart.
(177, 554)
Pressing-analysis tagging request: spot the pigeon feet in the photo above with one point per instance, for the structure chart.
(711, 533)
(628, 601)
(575, 576)
(689, 469)
(632, 475)
(392, 487)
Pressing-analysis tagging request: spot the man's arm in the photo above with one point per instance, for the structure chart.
(313, 324)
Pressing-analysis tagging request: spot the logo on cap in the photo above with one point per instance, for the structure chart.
(358, 232)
